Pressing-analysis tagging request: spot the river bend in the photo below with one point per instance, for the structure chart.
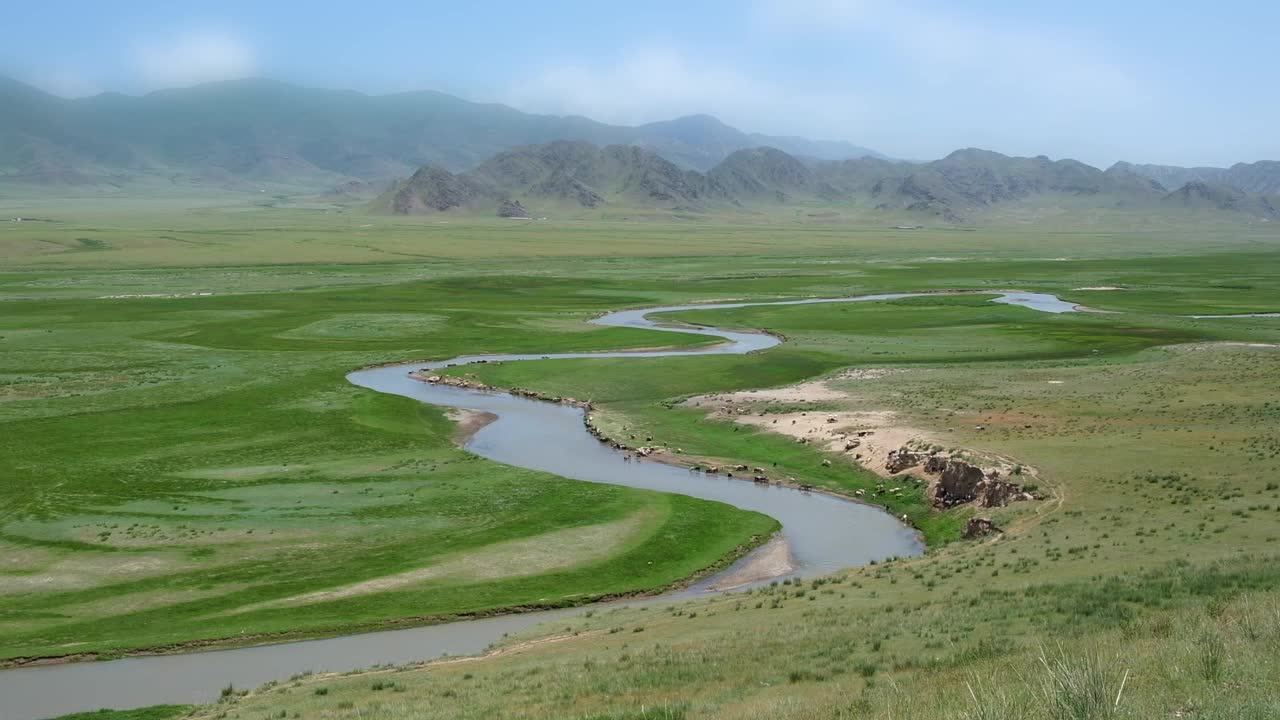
(824, 533)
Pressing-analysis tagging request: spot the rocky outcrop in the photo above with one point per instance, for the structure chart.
(997, 493)
(962, 483)
(902, 459)
(512, 209)
(936, 463)
(433, 189)
(979, 527)
(957, 482)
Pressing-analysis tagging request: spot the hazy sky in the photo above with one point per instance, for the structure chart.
(1168, 81)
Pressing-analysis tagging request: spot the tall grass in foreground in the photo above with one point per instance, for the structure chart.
(1065, 686)
(992, 702)
(1080, 687)
(1211, 654)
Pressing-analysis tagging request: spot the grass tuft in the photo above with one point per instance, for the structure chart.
(1080, 687)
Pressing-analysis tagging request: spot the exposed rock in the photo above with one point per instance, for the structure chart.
(996, 493)
(979, 527)
(902, 459)
(512, 209)
(958, 484)
(961, 483)
(432, 189)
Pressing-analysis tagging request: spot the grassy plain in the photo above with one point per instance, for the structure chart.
(213, 430)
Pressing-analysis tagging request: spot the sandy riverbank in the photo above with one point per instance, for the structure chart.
(771, 560)
(469, 423)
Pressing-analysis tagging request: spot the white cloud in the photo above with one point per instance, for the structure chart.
(640, 86)
(194, 57)
(1020, 62)
(661, 83)
(903, 76)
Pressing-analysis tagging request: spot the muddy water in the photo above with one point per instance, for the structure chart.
(824, 533)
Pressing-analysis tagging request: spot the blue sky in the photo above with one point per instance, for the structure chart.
(1169, 82)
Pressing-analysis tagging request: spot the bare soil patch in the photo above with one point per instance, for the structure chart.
(771, 560)
(868, 437)
(469, 423)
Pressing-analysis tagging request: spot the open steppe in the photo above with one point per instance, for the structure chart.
(186, 466)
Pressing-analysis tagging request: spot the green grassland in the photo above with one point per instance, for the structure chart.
(184, 470)
(187, 466)
(155, 712)
(1150, 565)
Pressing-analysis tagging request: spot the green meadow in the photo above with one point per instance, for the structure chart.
(185, 464)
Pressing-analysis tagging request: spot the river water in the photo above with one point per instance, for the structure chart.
(824, 533)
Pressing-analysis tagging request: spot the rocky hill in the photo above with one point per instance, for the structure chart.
(1199, 195)
(770, 175)
(968, 181)
(557, 175)
(1259, 178)
(581, 173)
(434, 189)
(962, 187)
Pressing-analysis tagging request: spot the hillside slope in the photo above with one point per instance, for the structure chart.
(242, 132)
(966, 185)
(1259, 178)
(560, 175)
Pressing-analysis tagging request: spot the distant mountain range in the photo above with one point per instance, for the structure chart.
(571, 176)
(241, 132)
(476, 157)
(1260, 178)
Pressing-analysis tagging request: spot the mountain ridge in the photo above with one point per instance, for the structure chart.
(576, 176)
(1258, 178)
(261, 130)
(257, 133)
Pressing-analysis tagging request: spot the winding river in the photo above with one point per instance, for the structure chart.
(823, 532)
